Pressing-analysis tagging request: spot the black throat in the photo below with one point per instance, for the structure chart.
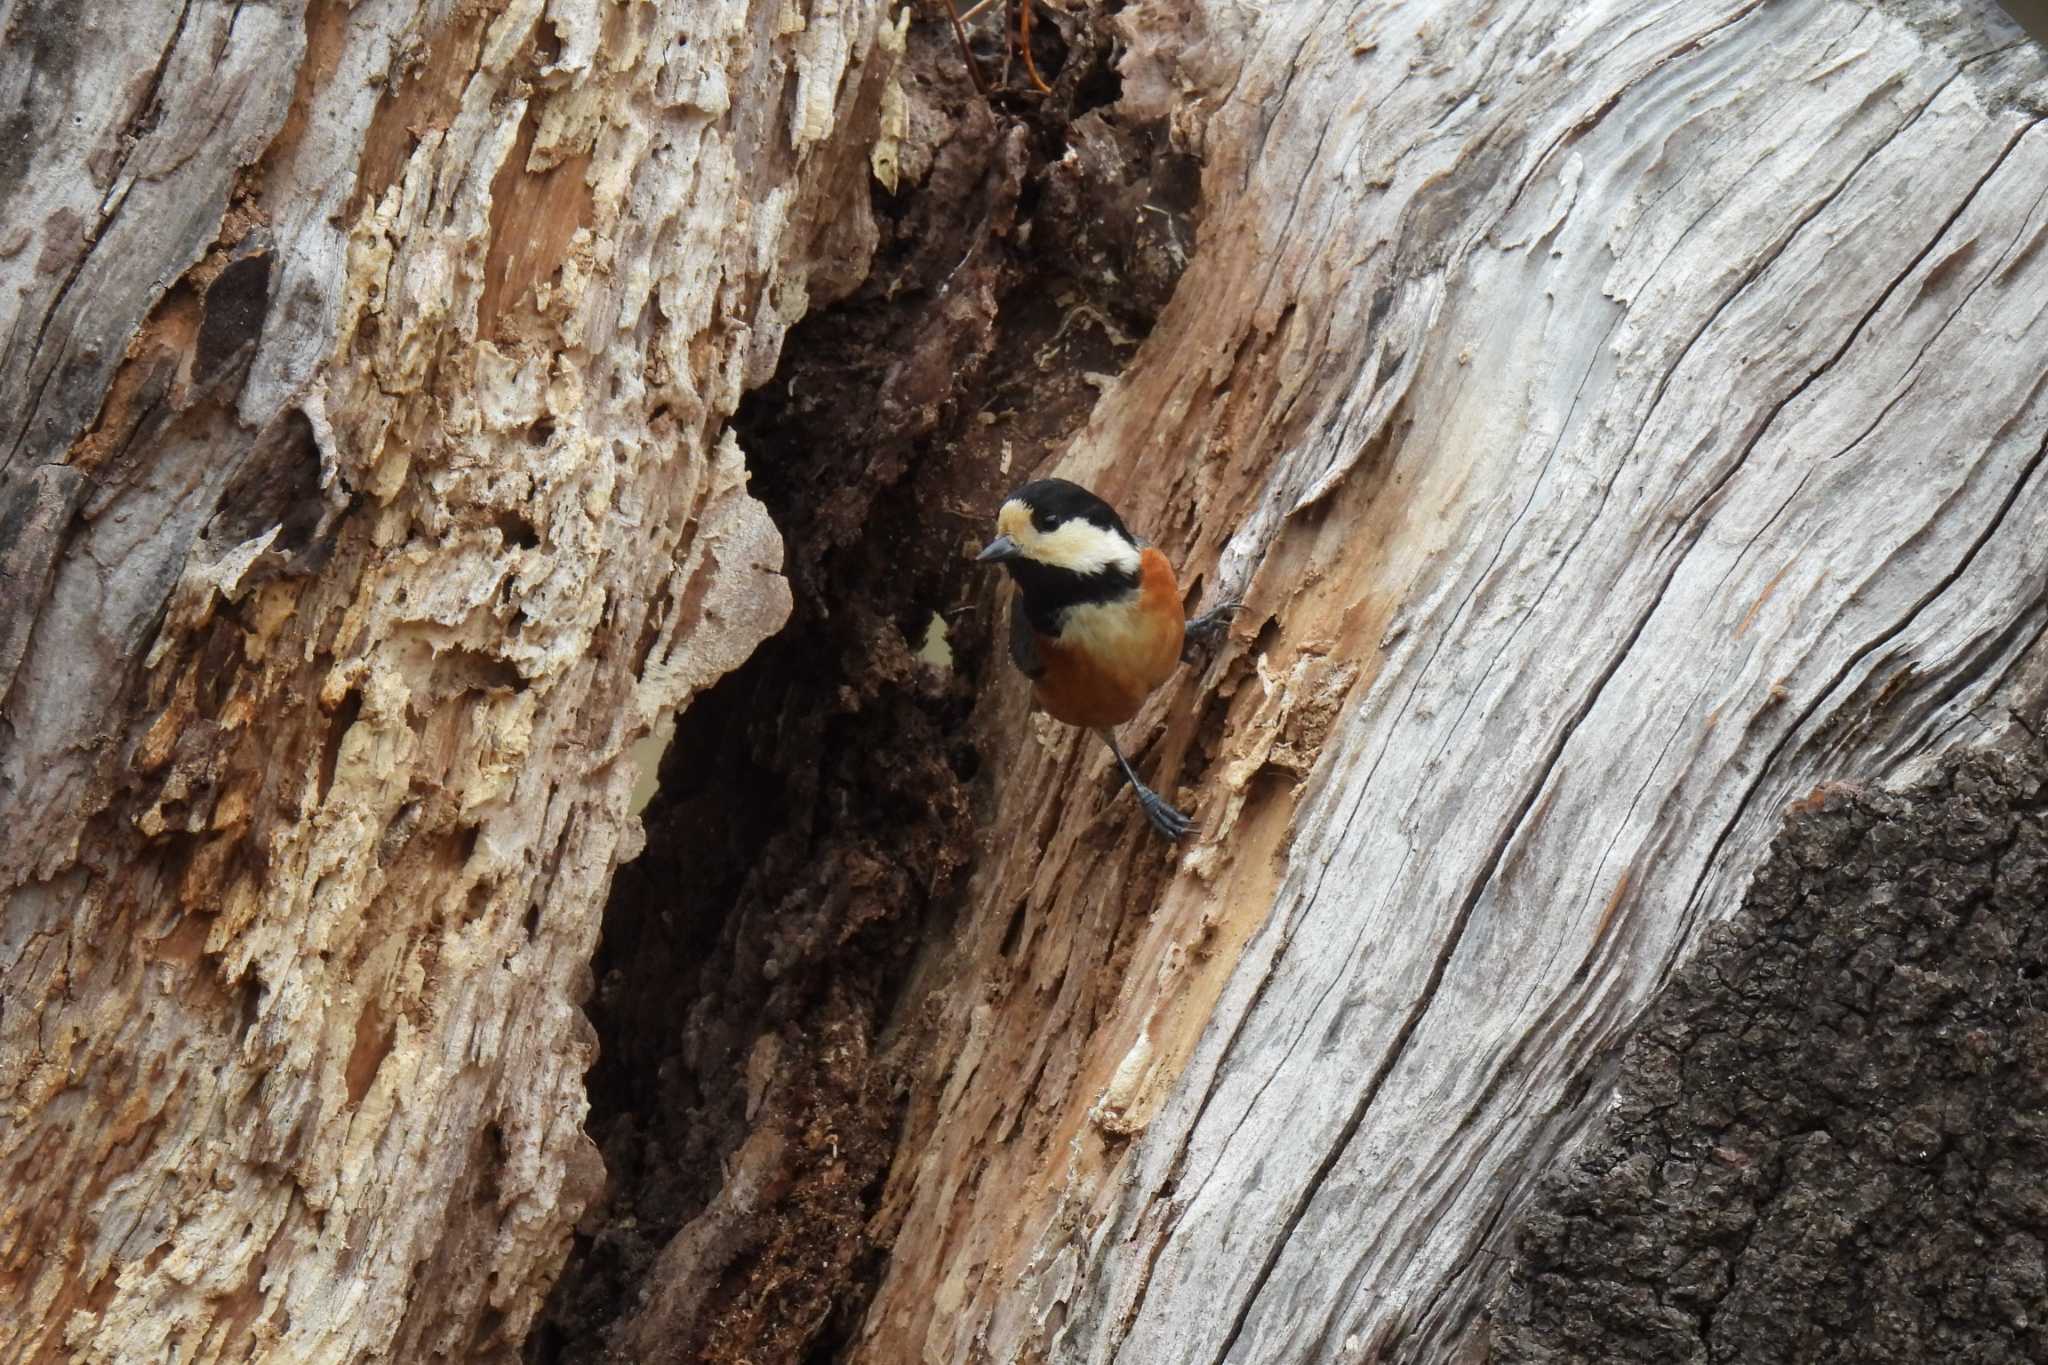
(1048, 592)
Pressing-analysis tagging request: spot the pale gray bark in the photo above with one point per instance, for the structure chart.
(363, 502)
(1621, 417)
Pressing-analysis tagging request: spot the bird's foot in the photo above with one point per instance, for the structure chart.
(1170, 823)
(1206, 631)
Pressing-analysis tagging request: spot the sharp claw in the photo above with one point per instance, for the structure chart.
(1207, 628)
(1169, 822)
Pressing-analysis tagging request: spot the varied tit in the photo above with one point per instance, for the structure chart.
(1097, 623)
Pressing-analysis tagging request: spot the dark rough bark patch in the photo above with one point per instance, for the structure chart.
(817, 810)
(1831, 1131)
(235, 305)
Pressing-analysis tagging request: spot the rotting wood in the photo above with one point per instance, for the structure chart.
(755, 953)
(1620, 420)
(362, 503)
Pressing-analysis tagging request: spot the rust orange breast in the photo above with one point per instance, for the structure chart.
(1109, 656)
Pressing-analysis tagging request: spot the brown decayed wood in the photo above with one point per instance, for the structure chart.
(363, 502)
(1611, 454)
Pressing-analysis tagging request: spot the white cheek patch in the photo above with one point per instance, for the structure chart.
(1081, 547)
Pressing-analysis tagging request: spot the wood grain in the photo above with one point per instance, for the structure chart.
(364, 500)
(1620, 419)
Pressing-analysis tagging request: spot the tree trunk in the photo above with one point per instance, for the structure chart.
(1619, 419)
(363, 502)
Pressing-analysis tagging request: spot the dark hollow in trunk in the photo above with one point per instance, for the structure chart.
(816, 826)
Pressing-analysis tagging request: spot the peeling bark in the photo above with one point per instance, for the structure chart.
(365, 496)
(1618, 420)
(819, 808)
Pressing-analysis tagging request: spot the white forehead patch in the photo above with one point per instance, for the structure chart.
(1076, 545)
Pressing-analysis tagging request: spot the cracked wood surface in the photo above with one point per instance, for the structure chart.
(362, 503)
(1620, 418)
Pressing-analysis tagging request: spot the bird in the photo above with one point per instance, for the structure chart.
(1097, 622)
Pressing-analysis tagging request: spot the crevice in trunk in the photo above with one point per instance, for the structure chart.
(818, 808)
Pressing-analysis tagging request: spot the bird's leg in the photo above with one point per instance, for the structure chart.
(1168, 821)
(1204, 631)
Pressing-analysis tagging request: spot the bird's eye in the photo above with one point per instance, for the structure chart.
(1045, 521)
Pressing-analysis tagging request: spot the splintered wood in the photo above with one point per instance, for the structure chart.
(363, 503)
(1620, 418)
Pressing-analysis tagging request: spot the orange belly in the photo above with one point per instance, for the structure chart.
(1109, 657)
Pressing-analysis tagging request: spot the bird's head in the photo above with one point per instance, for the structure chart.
(1051, 530)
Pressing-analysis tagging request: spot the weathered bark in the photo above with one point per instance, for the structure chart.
(1619, 418)
(363, 501)
(1828, 1140)
(820, 803)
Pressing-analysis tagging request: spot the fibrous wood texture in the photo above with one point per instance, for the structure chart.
(362, 503)
(1620, 417)
(745, 1099)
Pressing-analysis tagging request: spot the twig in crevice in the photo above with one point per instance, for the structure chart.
(1024, 46)
(960, 32)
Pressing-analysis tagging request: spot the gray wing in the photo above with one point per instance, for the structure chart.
(1023, 644)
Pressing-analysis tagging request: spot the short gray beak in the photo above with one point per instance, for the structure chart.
(998, 550)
